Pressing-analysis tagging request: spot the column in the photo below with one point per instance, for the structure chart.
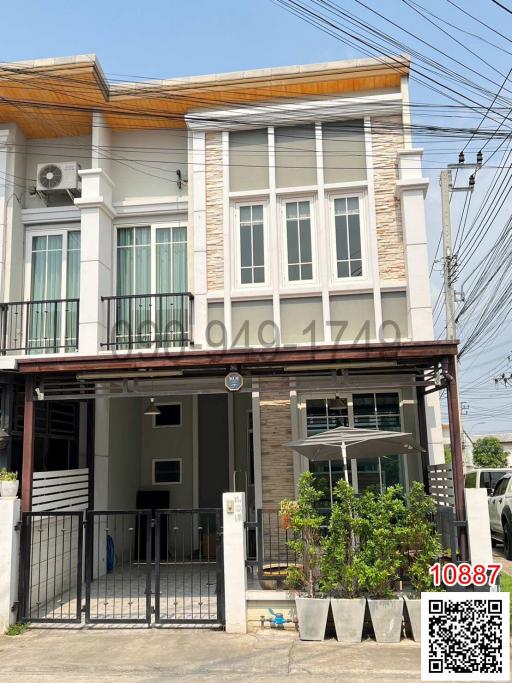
(10, 515)
(28, 445)
(411, 188)
(235, 572)
(96, 277)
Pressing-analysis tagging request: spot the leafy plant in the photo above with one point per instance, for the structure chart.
(306, 525)
(488, 452)
(16, 629)
(339, 572)
(5, 475)
(378, 561)
(420, 543)
(287, 509)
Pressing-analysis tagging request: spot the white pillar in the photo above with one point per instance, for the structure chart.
(411, 188)
(96, 279)
(10, 515)
(6, 195)
(478, 527)
(235, 572)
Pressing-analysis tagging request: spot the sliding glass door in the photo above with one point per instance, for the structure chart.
(54, 277)
(151, 271)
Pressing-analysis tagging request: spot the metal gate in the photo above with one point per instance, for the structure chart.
(188, 567)
(140, 567)
(51, 567)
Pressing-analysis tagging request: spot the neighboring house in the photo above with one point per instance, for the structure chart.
(157, 236)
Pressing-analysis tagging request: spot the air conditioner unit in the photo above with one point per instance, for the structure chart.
(58, 177)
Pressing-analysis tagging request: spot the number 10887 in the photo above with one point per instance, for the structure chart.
(464, 574)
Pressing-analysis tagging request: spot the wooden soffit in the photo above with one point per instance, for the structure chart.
(56, 98)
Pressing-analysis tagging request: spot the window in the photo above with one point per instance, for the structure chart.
(377, 411)
(167, 471)
(298, 240)
(470, 482)
(347, 227)
(170, 415)
(151, 260)
(501, 487)
(323, 414)
(252, 258)
(54, 275)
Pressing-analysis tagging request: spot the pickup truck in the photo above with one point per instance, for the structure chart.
(500, 514)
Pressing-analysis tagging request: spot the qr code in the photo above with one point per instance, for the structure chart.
(465, 636)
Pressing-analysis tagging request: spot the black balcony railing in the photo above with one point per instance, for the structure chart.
(47, 326)
(139, 321)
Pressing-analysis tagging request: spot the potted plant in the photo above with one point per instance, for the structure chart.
(339, 569)
(379, 560)
(421, 547)
(306, 525)
(8, 484)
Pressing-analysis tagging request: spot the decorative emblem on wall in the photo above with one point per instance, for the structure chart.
(234, 381)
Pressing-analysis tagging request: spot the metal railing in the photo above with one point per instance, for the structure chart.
(46, 326)
(136, 321)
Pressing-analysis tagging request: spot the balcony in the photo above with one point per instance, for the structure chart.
(39, 327)
(145, 321)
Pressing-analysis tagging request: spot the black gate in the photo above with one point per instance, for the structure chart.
(137, 564)
(118, 567)
(51, 567)
(188, 567)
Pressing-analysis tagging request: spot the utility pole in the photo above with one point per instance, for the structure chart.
(448, 261)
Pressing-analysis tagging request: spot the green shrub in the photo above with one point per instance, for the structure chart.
(338, 572)
(306, 524)
(16, 629)
(5, 475)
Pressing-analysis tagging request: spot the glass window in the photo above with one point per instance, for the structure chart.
(501, 487)
(347, 225)
(470, 480)
(298, 240)
(378, 411)
(170, 415)
(166, 471)
(323, 414)
(54, 277)
(252, 259)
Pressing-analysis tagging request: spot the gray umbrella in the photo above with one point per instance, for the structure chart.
(358, 443)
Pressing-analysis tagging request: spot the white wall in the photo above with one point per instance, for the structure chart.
(144, 163)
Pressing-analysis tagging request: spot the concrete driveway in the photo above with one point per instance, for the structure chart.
(151, 655)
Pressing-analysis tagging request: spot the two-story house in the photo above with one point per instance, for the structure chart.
(195, 271)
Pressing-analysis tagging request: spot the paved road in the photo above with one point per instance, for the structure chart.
(151, 656)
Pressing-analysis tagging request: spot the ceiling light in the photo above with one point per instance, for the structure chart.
(152, 408)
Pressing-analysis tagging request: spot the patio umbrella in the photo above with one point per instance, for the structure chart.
(358, 442)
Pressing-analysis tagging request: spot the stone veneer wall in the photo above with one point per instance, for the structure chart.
(387, 138)
(214, 211)
(275, 430)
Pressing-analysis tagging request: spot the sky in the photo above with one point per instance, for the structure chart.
(162, 39)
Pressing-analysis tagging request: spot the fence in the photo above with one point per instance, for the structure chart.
(60, 490)
(440, 480)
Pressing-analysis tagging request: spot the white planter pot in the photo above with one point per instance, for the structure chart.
(9, 489)
(414, 611)
(387, 619)
(348, 616)
(312, 615)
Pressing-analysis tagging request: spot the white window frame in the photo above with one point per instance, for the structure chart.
(152, 245)
(43, 231)
(166, 483)
(362, 196)
(169, 403)
(313, 203)
(235, 232)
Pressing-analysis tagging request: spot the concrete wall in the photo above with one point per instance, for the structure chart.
(144, 163)
(213, 449)
(124, 448)
(169, 442)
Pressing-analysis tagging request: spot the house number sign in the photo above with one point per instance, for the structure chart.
(233, 381)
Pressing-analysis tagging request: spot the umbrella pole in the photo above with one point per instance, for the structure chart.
(330, 480)
(344, 455)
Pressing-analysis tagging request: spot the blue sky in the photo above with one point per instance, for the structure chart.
(162, 39)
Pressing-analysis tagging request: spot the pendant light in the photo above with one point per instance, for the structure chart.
(152, 408)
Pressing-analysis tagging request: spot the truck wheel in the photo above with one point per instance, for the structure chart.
(507, 538)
